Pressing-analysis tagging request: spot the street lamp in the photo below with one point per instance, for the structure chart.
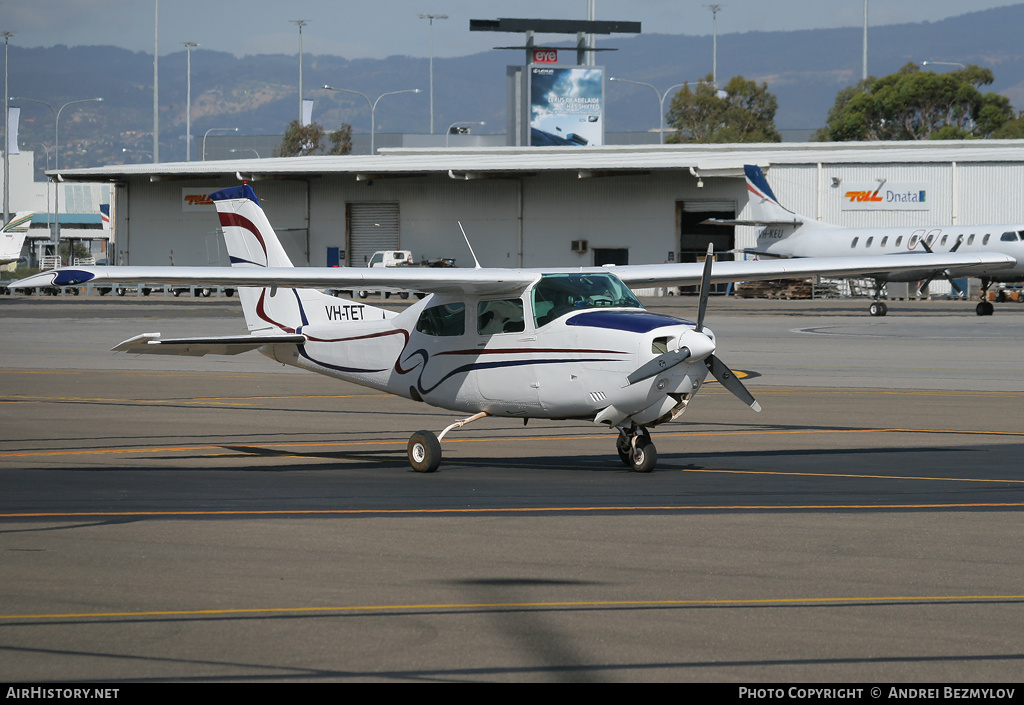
(714, 42)
(188, 101)
(373, 108)
(661, 102)
(56, 161)
(7, 138)
(212, 129)
(942, 63)
(431, 18)
(300, 24)
(454, 124)
(236, 151)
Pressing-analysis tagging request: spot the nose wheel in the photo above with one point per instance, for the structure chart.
(636, 450)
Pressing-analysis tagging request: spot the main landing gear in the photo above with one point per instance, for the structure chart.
(636, 450)
(878, 307)
(984, 307)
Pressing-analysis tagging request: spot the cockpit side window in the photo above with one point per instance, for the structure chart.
(500, 316)
(1008, 237)
(558, 294)
(444, 320)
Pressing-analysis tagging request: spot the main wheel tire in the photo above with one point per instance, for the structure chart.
(984, 308)
(644, 456)
(120, 291)
(205, 292)
(403, 294)
(424, 451)
(878, 308)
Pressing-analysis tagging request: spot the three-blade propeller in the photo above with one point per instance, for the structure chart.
(718, 369)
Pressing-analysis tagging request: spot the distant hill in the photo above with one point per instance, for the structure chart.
(259, 94)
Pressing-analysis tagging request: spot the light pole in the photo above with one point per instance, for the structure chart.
(7, 139)
(236, 151)
(300, 24)
(188, 101)
(373, 108)
(212, 129)
(431, 18)
(56, 162)
(156, 81)
(448, 132)
(714, 42)
(661, 102)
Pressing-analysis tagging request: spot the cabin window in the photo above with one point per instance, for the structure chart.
(443, 320)
(930, 240)
(854, 243)
(1008, 237)
(984, 240)
(970, 239)
(913, 242)
(899, 241)
(868, 243)
(558, 294)
(500, 316)
(942, 242)
(884, 241)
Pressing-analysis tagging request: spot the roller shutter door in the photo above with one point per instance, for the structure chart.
(371, 227)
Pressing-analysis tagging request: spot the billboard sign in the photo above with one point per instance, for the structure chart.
(566, 106)
(885, 197)
(545, 56)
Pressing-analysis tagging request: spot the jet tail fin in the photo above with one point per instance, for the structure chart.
(765, 208)
(12, 236)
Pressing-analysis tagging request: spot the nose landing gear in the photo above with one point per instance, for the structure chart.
(636, 450)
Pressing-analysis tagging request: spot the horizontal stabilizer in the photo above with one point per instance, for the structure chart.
(153, 344)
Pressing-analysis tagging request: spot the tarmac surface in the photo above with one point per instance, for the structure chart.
(168, 519)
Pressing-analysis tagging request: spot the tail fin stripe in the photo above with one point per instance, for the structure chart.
(233, 219)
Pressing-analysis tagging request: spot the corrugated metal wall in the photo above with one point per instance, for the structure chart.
(532, 219)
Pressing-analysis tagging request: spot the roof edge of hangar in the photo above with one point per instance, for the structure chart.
(702, 158)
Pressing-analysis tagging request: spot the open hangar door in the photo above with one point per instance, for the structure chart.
(695, 235)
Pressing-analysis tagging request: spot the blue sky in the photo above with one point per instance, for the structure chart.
(387, 27)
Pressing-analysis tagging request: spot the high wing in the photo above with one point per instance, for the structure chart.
(487, 281)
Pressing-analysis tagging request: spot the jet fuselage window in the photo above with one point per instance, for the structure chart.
(558, 294)
(884, 241)
(500, 316)
(942, 242)
(970, 239)
(854, 243)
(443, 320)
(868, 243)
(984, 240)
(899, 241)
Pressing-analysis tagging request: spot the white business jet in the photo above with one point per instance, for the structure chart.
(12, 237)
(570, 343)
(784, 233)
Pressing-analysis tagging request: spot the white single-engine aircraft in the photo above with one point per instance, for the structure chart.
(12, 237)
(570, 343)
(788, 234)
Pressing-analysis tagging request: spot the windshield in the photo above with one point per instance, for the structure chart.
(558, 294)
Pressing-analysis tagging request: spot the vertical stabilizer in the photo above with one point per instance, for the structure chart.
(12, 236)
(252, 242)
(764, 207)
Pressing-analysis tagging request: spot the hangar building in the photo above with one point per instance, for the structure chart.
(550, 206)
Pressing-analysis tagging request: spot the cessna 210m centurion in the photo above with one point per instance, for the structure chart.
(571, 343)
(788, 234)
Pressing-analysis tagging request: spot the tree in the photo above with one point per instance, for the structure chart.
(304, 141)
(912, 104)
(742, 112)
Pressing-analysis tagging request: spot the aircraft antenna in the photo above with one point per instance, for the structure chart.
(475, 260)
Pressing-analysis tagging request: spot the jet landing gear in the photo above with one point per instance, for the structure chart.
(636, 450)
(878, 307)
(985, 307)
(424, 447)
